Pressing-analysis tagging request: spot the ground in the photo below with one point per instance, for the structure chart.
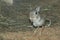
(14, 20)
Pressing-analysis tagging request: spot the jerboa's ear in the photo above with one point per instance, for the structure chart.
(38, 8)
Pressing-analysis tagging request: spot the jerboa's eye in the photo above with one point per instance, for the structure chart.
(36, 13)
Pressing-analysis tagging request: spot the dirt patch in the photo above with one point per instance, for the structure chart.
(47, 34)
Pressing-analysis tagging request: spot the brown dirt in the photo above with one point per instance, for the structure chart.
(47, 34)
